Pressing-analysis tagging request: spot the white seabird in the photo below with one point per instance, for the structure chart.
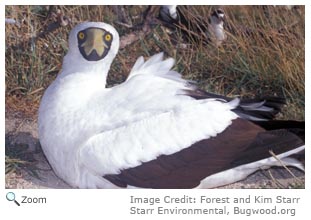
(155, 130)
(211, 31)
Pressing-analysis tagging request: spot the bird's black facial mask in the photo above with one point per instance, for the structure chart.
(94, 43)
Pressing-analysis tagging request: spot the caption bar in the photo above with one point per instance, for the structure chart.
(204, 205)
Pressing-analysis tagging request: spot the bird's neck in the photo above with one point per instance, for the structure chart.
(92, 70)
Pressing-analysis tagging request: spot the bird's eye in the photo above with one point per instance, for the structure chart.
(81, 35)
(108, 37)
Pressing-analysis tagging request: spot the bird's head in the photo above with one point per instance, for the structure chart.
(217, 16)
(93, 42)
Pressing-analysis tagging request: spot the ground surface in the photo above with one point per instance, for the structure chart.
(21, 132)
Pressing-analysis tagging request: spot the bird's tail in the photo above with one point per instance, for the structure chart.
(257, 109)
(260, 109)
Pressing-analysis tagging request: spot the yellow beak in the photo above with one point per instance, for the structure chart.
(94, 42)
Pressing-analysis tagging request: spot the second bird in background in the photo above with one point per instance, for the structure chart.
(209, 29)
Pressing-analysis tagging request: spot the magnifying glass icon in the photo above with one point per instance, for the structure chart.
(10, 196)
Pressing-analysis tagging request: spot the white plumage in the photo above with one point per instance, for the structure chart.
(88, 131)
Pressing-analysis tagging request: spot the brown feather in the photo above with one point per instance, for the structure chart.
(242, 142)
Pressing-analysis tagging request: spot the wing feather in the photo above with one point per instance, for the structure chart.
(242, 143)
(130, 145)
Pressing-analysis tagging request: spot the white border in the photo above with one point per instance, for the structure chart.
(103, 204)
(2, 99)
(159, 2)
(307, 93)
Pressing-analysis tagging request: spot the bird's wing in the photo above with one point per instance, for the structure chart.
(151, 88)
(158, 67)
(242, 144)
(161, 133)
(148, 116)
(154, 132)
(165, 153)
